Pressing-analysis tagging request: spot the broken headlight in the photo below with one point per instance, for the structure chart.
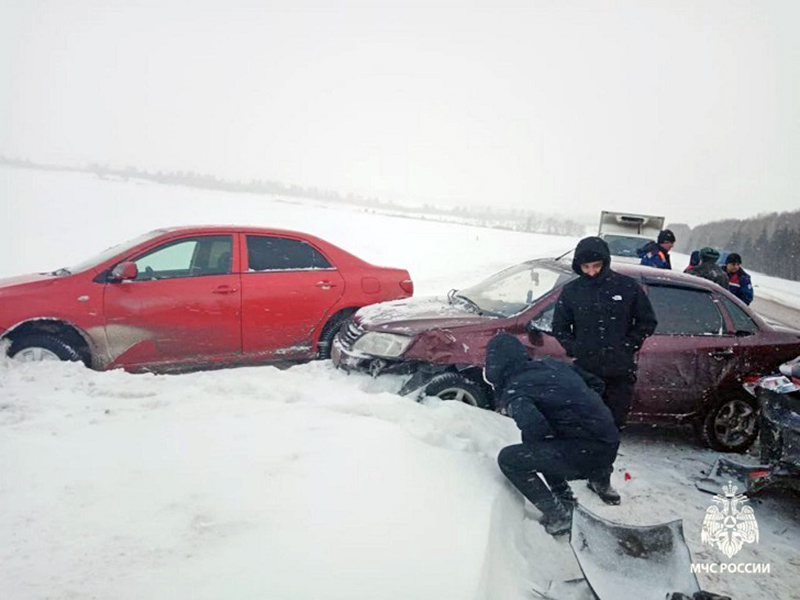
(387, 345)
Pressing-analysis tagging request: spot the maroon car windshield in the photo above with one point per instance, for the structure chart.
(511, 291)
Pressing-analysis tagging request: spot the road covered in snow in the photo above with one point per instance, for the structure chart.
(306, 482)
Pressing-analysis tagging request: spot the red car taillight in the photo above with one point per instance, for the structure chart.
(408, 286)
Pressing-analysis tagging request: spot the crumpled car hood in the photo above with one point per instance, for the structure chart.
(415, 315)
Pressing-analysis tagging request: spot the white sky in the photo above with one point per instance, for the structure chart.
(686, 109)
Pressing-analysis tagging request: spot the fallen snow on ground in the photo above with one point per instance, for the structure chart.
(303, 483)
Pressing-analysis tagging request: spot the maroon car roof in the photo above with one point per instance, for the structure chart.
(645, 274)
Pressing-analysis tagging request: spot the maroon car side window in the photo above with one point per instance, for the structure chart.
(741, 321)
(684, 311)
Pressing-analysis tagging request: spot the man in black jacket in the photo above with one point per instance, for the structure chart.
(601, 319)
(567, 431)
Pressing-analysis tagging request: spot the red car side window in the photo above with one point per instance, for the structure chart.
(268, 253)
(187, 257)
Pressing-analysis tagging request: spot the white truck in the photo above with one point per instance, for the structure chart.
(625, 233)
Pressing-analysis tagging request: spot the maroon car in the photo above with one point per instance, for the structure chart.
(690, 371)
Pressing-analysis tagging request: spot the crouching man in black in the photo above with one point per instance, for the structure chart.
(567, 431)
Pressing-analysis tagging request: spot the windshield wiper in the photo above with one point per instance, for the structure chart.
(469, 301)
(453, 294)
(60, 272)
(476, 306)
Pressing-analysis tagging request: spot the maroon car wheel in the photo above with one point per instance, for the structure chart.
(731, 425)
(455, 386)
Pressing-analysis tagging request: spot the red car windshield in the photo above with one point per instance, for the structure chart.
(109, 253)
(511, 291)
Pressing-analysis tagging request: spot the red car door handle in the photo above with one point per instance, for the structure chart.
(722, 353)
(223, 289)
(325, 285)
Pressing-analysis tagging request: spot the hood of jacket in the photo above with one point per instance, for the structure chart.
(591, 249)
(505, 356)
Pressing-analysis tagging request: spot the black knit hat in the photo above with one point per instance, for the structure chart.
(666, 236)
(733, 258)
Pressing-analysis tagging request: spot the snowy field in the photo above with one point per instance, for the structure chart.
(305, 483)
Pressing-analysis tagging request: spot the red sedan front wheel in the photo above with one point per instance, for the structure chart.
(40, 347)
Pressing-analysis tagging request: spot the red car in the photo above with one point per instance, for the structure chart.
(192, 297)
(691, 370)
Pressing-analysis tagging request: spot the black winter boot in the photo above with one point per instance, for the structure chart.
(564, 495)
(602, 487)
(557, 521)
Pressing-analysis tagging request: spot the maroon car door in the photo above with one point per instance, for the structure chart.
(183, 306)
(688, 356)
(288, 288)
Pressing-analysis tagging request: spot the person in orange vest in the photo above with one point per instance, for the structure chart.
(656, 254)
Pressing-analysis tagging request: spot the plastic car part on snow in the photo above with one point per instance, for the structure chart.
(750, 478)
(630, 561)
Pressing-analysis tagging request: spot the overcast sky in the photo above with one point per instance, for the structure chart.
(686, 109)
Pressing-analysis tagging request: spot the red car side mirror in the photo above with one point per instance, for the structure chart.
(124, 271)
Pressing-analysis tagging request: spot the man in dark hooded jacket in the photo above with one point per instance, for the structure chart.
(567, 430)
(602, 319)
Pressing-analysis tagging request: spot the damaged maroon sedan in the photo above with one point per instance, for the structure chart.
(690, 371)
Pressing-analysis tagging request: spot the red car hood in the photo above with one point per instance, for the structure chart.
(10, 282)
(415, 315)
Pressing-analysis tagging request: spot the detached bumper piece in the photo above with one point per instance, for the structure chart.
(749, 478)
(630, 561)
(621, 561)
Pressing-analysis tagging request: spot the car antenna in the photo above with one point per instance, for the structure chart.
(565, 253)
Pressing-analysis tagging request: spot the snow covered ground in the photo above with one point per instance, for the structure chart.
(303, 483)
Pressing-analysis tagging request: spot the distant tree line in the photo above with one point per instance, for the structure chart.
(512, 219)
(769, 243)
